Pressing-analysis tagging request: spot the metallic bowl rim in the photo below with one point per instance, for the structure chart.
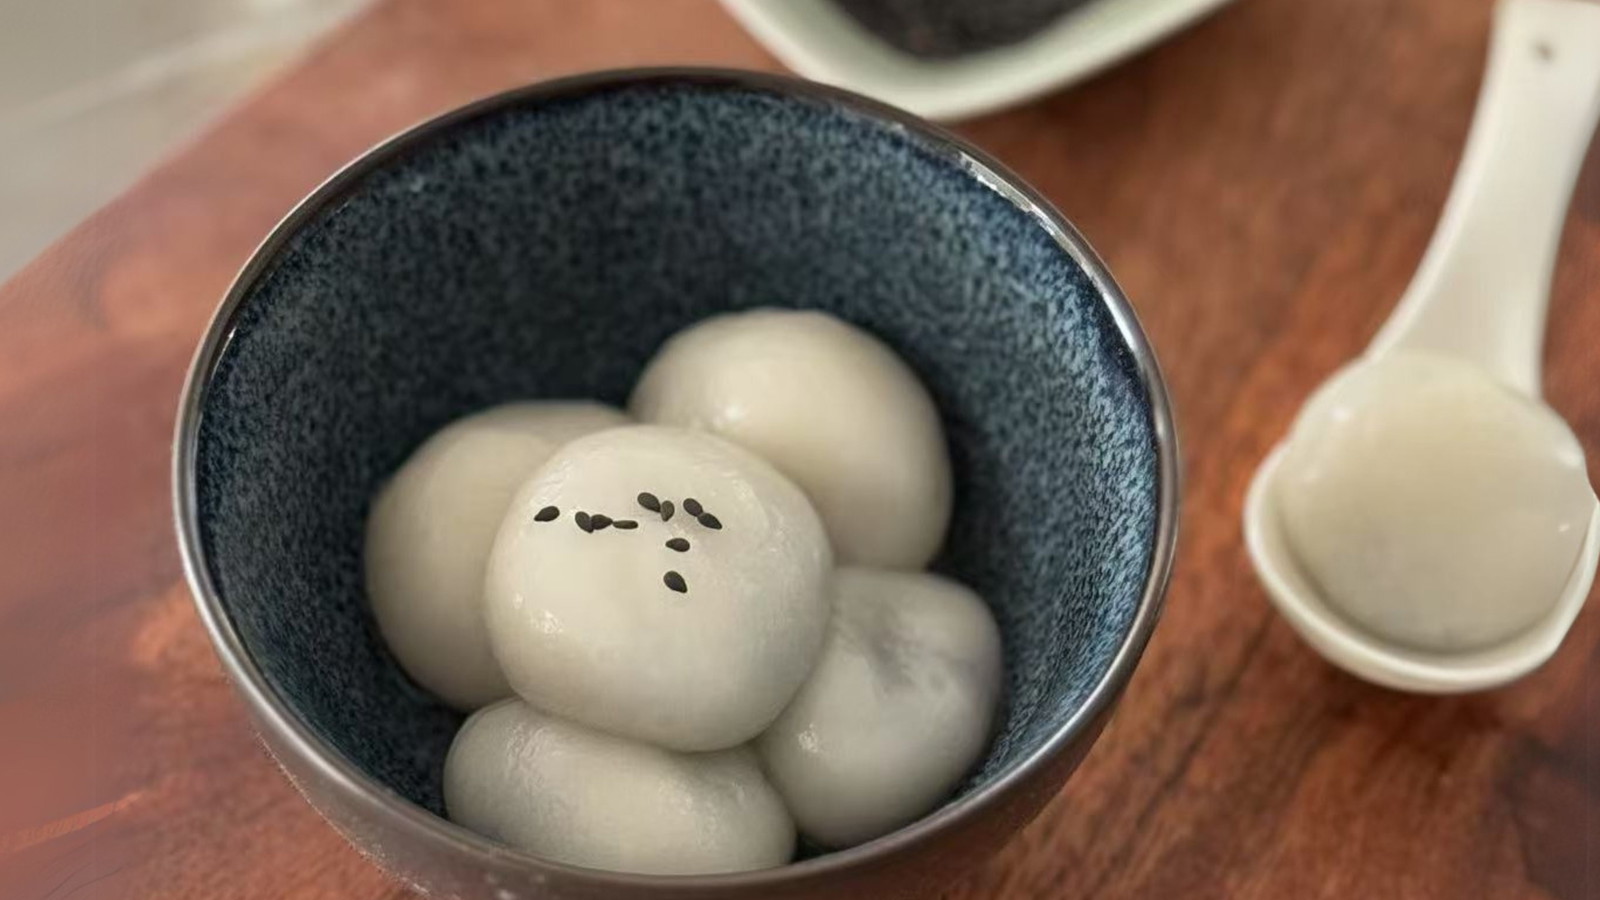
(277, 714)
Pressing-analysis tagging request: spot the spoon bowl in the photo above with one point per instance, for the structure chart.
(1368, 655)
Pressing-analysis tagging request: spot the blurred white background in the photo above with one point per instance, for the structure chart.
(93, 92)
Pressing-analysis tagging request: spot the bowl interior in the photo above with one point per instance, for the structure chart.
(544, 247)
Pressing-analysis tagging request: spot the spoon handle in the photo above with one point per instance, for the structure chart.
(1484, 283)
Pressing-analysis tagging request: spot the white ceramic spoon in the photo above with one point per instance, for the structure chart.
(1480, 296)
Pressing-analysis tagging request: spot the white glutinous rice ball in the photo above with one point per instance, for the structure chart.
(898, 710)
(828, 404)
(659, 584)
(586, 798)
(1431, 505)
(431, 529)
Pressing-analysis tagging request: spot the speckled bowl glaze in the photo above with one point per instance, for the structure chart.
(543, 243)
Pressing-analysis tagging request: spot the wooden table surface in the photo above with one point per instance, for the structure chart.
(1263, 185)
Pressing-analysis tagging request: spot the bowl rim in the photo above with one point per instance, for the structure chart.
(360, 791)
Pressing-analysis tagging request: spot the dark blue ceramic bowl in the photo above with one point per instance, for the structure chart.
(543, 243)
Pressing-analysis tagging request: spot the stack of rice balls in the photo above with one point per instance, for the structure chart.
(688, 631)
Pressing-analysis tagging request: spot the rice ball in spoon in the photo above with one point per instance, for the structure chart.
(578, 796)
(898, 709)
(1431, 505)
(432, 526)
(828, 404)
(659, 584)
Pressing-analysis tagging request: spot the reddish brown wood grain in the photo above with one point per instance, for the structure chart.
(1263, 186)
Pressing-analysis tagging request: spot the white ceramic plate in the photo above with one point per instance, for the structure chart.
(821, 41)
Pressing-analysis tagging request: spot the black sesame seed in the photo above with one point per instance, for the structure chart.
(548, 514)
(666, 510)
(582, 518)
(600, 521)
(649, 501)
(711, 522)
(625, 524)
(675, 581)
(678, 544)
(693, 507)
